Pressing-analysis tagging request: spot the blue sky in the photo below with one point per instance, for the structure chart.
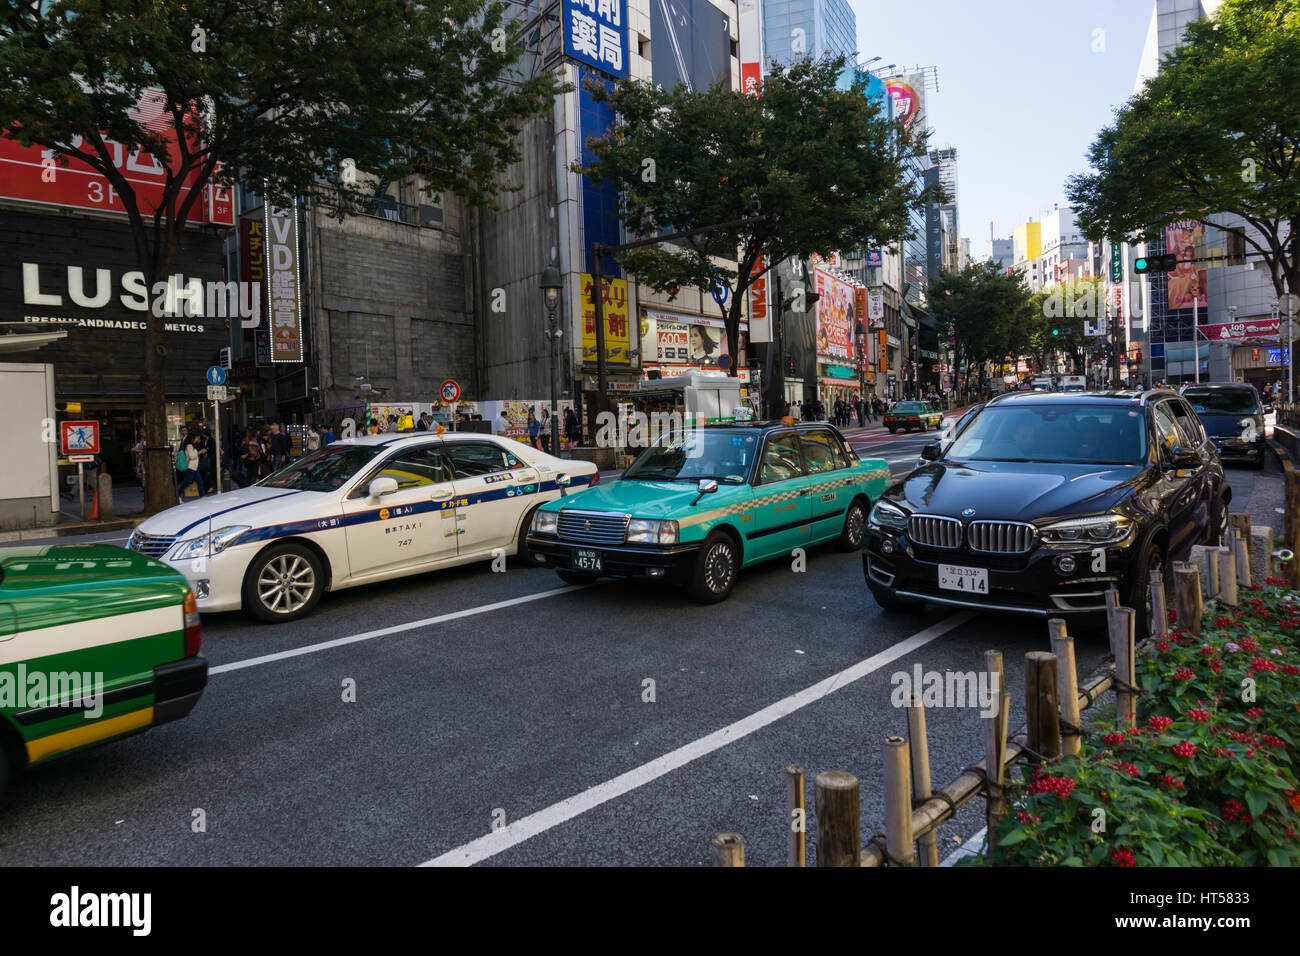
(1021, 93)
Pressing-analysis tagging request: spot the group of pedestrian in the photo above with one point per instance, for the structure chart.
(263, 450)
(196, 461)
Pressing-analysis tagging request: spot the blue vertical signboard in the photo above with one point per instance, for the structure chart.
(595, 33)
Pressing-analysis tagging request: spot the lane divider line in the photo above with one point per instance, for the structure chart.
(525, 828)
(385, 631)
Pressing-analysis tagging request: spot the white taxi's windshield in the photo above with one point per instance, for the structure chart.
(326, 470)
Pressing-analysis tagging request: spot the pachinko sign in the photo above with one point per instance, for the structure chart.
(836, 317)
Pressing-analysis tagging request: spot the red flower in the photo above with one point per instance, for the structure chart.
(1186, 673)
(1163, 646)
(1172, 782)
(1199, 715)
(1127, 768)
(1254, 712)
(1247, 643)
(1281, 582)
(1115, 737)
(1234, 812)
(1027, 817)
(1293, 798)
(1272, 741)
(1291, 669)
(1106, 796)
(1160, 723)
(1184, 749)
(1256, 603)
(1122, 856)
(1215, 665)
(1224, 622)
(1060, 786)
(1173, 615)
(1262, 664)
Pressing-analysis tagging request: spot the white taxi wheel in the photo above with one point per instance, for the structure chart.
(283, 583)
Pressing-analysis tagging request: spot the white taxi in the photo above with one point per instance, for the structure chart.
(356, 511)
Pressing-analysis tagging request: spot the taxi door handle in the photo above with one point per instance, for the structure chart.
(441, 494)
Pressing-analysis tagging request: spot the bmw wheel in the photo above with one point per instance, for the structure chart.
(716, 569)
(854, 522)
(283, 583)
(1153, 559)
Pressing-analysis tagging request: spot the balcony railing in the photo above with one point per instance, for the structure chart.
(380, 207)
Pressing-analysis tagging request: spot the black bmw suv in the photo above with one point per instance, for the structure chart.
(1233, 418)
(1045, 501)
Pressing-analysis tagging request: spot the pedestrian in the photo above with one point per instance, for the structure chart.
(311, 439)
(503, 422)
(544, 430)
(572, 427)
(862, 413)
(253, 462)
(534, 428)
(327, 436)
(187, 470)
(279, 448)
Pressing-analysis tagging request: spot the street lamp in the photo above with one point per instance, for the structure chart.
(860, 333)
(551, 287)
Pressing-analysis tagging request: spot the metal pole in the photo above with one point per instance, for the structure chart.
(1196, 334)
(597, 299)
(779, 410)
(555, 385)
(81, 490)
(216, 440)
(1290, 352)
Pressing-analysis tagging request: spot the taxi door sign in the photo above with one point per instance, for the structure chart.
(79, 438)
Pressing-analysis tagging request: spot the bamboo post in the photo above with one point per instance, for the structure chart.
(1291, 528)
(1187, 597)
(798, 816)
(1042, 707)
(898, 802)
(839, 842)
(1239, 521)
(1242, 551)
(1112, 600)
(1121, 625)
(1159, 604)
(1260, 545)
(1068, 691)
(1227, 577)
(728, 850)
(919, 747)
(1206, 559)
(995, 745)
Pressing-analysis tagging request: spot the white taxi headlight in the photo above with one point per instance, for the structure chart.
(206, 545)
(192, 548)
(544, 522)
(885, 515)
(643, 531)
(220, 540)
(1093, 529)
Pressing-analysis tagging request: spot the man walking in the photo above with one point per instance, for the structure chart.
(279, 448)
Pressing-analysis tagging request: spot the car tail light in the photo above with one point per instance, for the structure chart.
(193, 636)
(595, 479)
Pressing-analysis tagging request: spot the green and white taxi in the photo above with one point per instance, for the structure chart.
(357, 511)
(909, 415)
(96, 643)
(703, 502)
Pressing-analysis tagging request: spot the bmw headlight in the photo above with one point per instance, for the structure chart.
(651, 531)
(544, 522)
(885, 515)
(206, 545)
(1108, 528)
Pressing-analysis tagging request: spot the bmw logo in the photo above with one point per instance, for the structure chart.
(968, 512)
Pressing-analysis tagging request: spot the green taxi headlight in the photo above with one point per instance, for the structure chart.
(544, 522)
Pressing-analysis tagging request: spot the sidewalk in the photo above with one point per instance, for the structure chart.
(128, 503)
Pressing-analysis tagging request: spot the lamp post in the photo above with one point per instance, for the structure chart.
(551, 287)
(860, 333)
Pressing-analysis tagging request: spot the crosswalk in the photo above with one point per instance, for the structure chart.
(902, 450)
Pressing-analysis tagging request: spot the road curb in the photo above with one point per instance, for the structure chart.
(68, 530)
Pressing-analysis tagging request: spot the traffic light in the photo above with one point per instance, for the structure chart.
(1056, 331)
(790, 367)
(1138, 358)
(1167, 262)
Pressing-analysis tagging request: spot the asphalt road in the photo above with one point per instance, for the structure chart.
(487, 699)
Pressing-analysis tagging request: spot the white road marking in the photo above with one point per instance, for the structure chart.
(525, 828)
(385, 631)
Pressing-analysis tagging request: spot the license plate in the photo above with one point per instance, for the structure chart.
(586, 560)
(953, 577)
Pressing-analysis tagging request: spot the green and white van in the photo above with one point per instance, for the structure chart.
(96, 643)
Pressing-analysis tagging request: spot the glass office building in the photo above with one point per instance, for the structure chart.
(795, 28)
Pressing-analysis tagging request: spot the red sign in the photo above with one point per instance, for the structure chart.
(79, 438)
(1248, 330)
(34, 174)
(449, 391)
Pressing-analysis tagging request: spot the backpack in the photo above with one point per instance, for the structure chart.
(313, 442)
(181, 464)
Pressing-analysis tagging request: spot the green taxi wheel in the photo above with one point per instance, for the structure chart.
(893, 430)
(716, 568)
(854, 522)
(283, 583)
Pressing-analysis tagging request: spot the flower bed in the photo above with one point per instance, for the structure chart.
(1209, 775)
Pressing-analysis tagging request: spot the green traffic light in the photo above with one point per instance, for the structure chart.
(1056, 331)
(1140, 265)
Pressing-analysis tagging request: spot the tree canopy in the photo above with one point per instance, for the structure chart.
(1215, 132)
(827, 169)
(991, 313)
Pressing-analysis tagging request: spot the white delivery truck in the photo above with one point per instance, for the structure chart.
(1074, 383)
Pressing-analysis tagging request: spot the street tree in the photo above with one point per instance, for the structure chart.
(826, 168)
(274, 94)
(1060, 314)
(1214, 132)
(990, 312)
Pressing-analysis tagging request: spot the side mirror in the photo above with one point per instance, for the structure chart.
(382, 486)
(1183, 457)
(931, 451)
(707, 486)
(564, 481)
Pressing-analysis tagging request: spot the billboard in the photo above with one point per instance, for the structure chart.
(749, 28)
(35, 174)
(614, 307)
(595, 33)
(907, 94)
(688, 340)
(836, 317)
(1243, 331)
(1187, 283)
(284, 304)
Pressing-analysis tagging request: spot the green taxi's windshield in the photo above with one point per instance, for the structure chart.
(1222, 401)
(326, 470)
(1055, 434)
(725, 454)
(909, 407)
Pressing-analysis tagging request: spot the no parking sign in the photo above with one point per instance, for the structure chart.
(449, 391)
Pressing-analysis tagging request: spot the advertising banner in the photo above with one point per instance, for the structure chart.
(509, 418)
(750, 36)
(836, 317)
(1247, 330)
(907, 93)
(1187, 285)
(614, 305)
(35, 174)
(284, 304)
(876, 308)
(595, 33)
(687, 340)
(252, 254)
